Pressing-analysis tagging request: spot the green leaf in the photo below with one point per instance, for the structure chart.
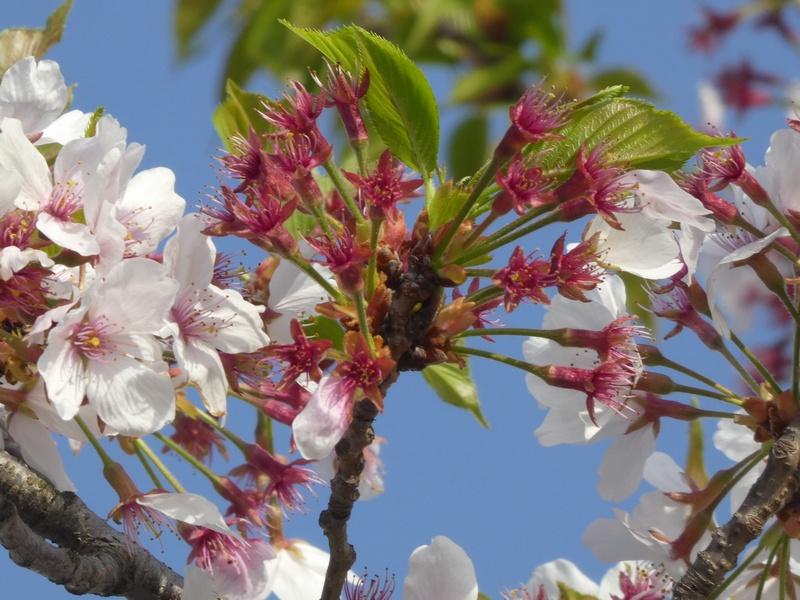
(635, 82)
(18, 43)
(401, 104)
(467, 150)
(237, 113)
(612, 91)
(190, 17)
(455, 386)
(445, 204)
(327, 329)
(695, 465)
(481, 84)
(635, 133)
(589, 50)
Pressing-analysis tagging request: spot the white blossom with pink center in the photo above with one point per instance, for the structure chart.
(204, 318)
(106, 351)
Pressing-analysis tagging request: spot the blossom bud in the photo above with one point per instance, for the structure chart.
(655, 383)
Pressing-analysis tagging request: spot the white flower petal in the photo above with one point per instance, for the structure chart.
(190, 508)
(137, 293)
(643, 247)
(323, 421)
(724, 268)
(69, 126)
(39, 450)
(661, 198)
(135, 399)
(623, 464)
(297, 573)
(19, 155)
(550, 574)
(189, 255)
(62, 369)
(150, 209)
(34, 94)
(294, 295)
(204, 367)
(440, 570)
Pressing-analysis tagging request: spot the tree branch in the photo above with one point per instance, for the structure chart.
(415, 299)
(86, 556)
(771, 492)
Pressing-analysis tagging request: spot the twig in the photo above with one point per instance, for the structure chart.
(772, 491)
(89, 556)
(344, 493)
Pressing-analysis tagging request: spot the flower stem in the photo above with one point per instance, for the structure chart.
(688, 389)
(484, 295)
(785, 554)
(548, 334)
(188, 457)
(480, 272)
(476, 233)
(141, 446)
(795, 366)
(493, 242)
(235, 439)
(486, 177)
(755, 362)
(501, 358)
(372, 267)
(104, 456)
(663, 361)
(148, 467)
(341, 187)
(306, 268)
(363, 322)
(765, 572)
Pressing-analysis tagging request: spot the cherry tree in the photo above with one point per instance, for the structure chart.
(124, 325)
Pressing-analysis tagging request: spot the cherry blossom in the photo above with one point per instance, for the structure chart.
(297, 572)
(440, 570)
(293, 295)
(655, 530)
(205, 319)
(35, 94)
(569, 420)
(106, 350)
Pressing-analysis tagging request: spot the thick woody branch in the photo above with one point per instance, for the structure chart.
(772, 491)
(84, 554)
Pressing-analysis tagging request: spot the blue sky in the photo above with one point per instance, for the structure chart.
(508, 502)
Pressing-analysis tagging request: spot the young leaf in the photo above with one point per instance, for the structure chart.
(455, 386)
(635, 132)
(480, 84)
(468, 150)
(190, 17)
(237, 113)
(401, 104)
(695, 465)
(18, 43)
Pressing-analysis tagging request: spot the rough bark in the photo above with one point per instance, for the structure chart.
(773, 490)
(54, 534)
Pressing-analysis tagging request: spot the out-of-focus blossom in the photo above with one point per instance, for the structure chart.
(440, 570)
